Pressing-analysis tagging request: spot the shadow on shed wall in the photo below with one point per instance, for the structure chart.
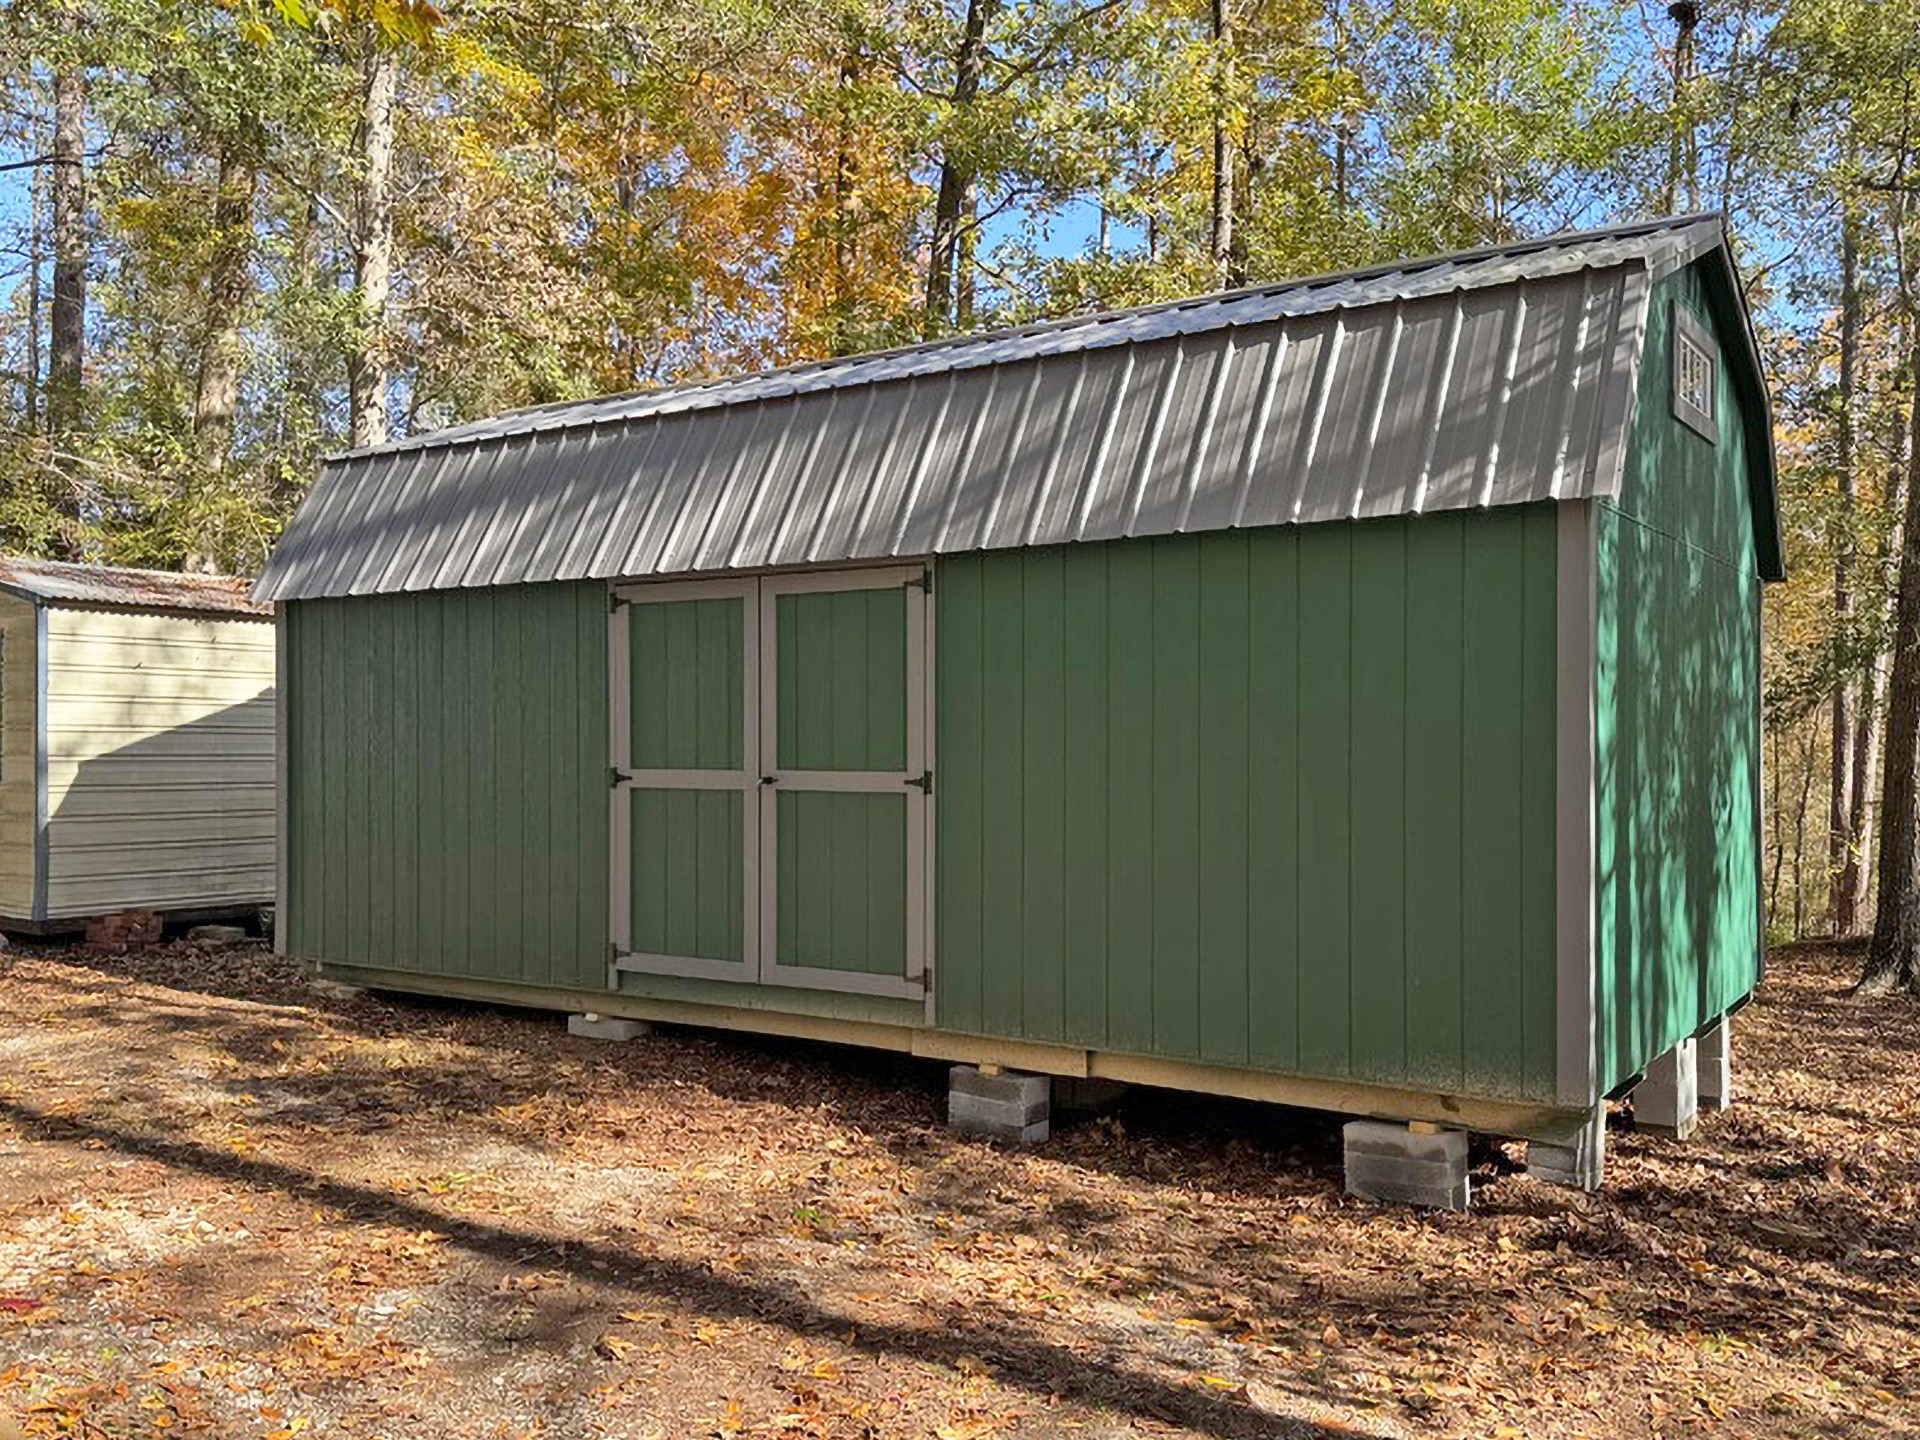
(181, 819)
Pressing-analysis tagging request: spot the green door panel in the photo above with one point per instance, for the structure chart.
(686, 671)
(842, 902)
(842, 679)
(687, 874)
(844, 820)
(685, 785)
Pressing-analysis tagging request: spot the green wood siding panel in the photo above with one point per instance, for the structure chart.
(1280, 798)
(1436, 833)
(1323, 681)
(686, 675)
(1086, 915)
(1273, 793)
(687, 856)
(842, 680)
(1677, 722)
(842, 899)
(447, 783)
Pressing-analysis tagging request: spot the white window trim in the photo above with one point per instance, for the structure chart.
(1690, 334)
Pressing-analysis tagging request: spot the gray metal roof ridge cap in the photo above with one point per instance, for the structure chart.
(694, 390)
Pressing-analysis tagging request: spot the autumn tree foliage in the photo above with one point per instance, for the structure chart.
(247, 232)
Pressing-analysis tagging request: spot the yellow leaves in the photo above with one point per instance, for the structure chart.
(615, 1347)
(969, 1427)
(465, 54)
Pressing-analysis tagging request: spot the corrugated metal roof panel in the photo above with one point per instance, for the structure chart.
(1494, 377)
(61, 582)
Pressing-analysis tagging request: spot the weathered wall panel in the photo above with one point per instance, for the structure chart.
(1677, 728)
(1278, 797)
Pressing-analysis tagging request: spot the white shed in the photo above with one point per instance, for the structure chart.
(136, 744)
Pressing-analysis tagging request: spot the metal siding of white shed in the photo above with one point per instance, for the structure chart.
(18, 668)
(160, 761)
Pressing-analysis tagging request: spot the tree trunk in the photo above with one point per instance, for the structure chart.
(369, 366)
(1683, 160)
(964, 279)
(956, 172)
(1843, 854)
(217, 389)
(1893, 959)
(1866, 772)
(67, 353)
(1220, 242)
(1776, 813)
(217, 393)
(1800, 829)
(36, 221)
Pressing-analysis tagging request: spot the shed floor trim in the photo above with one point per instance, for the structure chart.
(1340, 1097)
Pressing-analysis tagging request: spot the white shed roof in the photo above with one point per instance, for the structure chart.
(63, 583)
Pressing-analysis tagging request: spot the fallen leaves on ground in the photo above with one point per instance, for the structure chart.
(233, 1206)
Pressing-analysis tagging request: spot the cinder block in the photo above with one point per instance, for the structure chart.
(1668, 1100)
(606, 1027)
(1005, 1105)
(1579, 1162)
(1385, 1161)
(1714, 1056)
(335, 989)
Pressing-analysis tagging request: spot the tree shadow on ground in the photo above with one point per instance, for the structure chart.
(1022, 1359)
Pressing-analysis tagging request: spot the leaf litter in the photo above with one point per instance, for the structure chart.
(232, 1205)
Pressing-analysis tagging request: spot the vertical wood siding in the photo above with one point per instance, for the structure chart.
(689, 889)
(842, 686)
(1280, 798)
(842, 902)
(1678, 715)
(686, 674)
(447, 795)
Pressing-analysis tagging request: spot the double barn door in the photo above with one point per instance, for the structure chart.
(771, 780)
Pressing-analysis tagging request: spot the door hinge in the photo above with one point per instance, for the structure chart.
(923, 782)
(616, 777)
(615, 600)
(923, 582)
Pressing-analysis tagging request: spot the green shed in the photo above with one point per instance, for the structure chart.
(1342, 692)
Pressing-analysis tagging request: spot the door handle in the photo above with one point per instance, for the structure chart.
(769, 779)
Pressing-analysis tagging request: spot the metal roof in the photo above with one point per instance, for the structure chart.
(58, 582)
(1488, 377)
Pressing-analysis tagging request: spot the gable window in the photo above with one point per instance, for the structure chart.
(1696, 374)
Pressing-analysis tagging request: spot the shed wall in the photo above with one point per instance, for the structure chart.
(447, 783)
(1280, 798)
(1677, 729)
(19, 686)
(159, 751)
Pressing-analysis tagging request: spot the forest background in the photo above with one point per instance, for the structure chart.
(237, 235)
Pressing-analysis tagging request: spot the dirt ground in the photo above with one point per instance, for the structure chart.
(232, 1206)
